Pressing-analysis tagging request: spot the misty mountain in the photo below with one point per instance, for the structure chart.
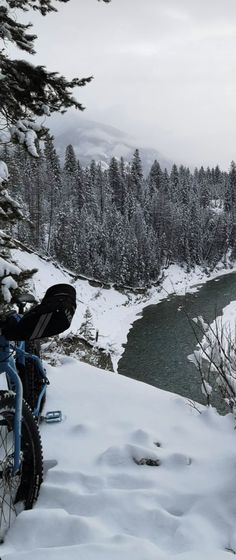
(92, 140)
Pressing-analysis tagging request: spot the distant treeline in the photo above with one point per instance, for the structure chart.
(115, 224)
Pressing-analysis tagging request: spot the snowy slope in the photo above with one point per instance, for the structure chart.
(97, 503)
(113, 312)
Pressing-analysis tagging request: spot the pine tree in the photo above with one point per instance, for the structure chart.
(65, 241)
(53, 186)
(92, 196)
(70, 166)
(185, 185)
(80, 196)
(70, 175)
(174, 183)
(123, 185)
(136, 173)
(37, 180)
(116, 184)
(86, 328)
(83, 243)
(27, 90)
(100, 190)
(230, 194)
(155, 178)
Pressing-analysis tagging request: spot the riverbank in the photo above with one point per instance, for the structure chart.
(176, 281)
(112, 312)
(217, 347)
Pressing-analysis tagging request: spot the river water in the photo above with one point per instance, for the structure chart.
(160, 341)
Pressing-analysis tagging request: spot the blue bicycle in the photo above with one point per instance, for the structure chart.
(21, 457)
(29, 365)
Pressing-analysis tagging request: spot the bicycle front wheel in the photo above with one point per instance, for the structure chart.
(20, 491)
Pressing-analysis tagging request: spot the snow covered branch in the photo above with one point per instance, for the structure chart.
(217, 348)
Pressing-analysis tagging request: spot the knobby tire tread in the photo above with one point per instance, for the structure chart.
(31, 475)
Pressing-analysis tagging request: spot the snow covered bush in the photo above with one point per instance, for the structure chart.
(215, 358)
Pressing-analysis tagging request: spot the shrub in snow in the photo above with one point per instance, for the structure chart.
(215, 359)
(4, 175)
(8, 283)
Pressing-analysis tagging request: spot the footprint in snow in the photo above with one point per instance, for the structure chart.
(81, 429)
(176, 460)
(140, 436)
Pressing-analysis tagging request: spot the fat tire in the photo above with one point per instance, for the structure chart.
(25, 492)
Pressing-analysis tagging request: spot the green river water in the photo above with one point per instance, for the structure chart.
(160, 341)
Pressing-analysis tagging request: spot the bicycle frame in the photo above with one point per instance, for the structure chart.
(8, 366)
(21, 354)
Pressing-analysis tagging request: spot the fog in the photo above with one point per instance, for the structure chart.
(164, 70)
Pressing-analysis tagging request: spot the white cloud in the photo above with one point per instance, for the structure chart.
(164, 69)
(139, 49)
(176, 14)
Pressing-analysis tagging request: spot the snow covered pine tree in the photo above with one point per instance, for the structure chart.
(27, 92)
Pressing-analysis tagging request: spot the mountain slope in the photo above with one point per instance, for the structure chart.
(92, 140)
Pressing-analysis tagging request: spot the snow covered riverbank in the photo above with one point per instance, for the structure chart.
(113, 312)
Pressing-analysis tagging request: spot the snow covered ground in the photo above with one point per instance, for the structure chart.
(98, 503)
(132, 472)
(228, 319)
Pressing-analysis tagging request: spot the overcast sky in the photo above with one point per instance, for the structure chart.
(164, 70)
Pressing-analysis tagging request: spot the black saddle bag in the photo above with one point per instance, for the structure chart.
(52, 316)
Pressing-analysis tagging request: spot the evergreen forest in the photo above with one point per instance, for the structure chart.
(115, 224)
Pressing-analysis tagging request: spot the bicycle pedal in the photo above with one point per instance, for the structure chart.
(52, 416)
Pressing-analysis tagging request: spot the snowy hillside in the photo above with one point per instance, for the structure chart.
(112, 312)
(132, 472)
(92, 140)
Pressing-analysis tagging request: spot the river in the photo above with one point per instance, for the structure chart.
(160, 341)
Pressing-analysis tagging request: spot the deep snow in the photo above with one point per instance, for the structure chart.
(96, 502)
